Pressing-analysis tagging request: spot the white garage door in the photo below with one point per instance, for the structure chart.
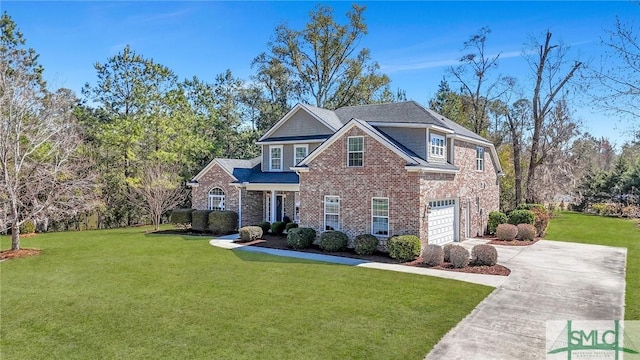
(442, 221)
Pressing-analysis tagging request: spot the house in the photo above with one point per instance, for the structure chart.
(383, 169)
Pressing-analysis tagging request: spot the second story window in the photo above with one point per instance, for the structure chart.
(437, 146)
(480, 158)
(299, 153)
(355, 151)
(275, 158)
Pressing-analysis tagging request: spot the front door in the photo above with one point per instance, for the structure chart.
(279, 207)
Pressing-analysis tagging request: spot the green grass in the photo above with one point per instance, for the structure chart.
(123, 294)
(591, 229)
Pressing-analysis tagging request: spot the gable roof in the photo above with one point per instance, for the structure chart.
(234, 167)
(402, 112)
(325, 117)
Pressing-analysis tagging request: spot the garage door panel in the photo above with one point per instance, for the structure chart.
(441, 221)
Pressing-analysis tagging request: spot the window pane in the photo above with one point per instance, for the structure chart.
(355, 159)
(332, 222)
(355, 144)
(380, 207)
(380, 226)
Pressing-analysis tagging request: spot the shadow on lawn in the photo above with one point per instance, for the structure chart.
(269, 258)
(185, 235)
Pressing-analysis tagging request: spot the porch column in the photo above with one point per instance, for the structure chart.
(273, 206)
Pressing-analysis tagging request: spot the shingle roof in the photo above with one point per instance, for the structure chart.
(296, 138)
(457, 128)
(234, 165)
(256, 176)
(402, 112)
(328, 116)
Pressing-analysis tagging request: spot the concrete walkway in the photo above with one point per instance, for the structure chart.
(226, 242)
(549, 281)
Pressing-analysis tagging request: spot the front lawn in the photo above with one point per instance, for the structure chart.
(592, 229)
(123, 294)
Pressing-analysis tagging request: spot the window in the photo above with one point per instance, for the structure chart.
(299, 153)
(332, 213)
(380, 216)
(216, 199)
(355, 151)
(275, 158)
(480, 158)
(437, 145)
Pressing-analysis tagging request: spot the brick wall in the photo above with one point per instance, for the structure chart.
(477, 191)
(215, 177)
(383, 175)
(252, 207)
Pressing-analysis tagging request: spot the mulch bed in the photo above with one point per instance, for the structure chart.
(280, 242)
(513, 242)
(181, 232)
(13, 254)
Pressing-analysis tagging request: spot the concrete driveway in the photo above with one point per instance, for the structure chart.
(549, 281)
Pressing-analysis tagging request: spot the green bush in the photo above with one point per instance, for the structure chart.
(277, 227)
(496, 218)
(301, 238)
(333, 241)
(484, 255)
(365, 244)
(506, 232)
(433, 255)
(200, 220)
(290, 226)
(404, 247)
(223, 222)
(459, 256)
(266, 226)
(526, 232)
(181, 218)
(521, 217)
(27, 227)
(250, 233)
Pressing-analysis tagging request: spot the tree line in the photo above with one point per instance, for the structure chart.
(119, 153)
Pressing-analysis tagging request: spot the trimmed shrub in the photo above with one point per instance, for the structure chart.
(506, 232)
(521, 217)
(250, 233)
(290, 226)
(447, 251)
(530, 207)
(404, 247)
(484, 254)
(27, 227)
(496, 218)
(277, 227)
(541, 220)
(301, 238)
(365, 244)
(526, 232)
(433, 255)
(223, 222)
(266, 226)
(200, 220)
(181, 218)
(333, 241)
(459, 256)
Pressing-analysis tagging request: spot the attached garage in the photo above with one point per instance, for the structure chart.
(442, 220)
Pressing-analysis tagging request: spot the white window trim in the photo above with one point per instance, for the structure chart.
(295, 147)
(271, 158)
(480, 160)
(324, 206)
(377, 216)
(348, 152)
(443, 147)
(221, 199)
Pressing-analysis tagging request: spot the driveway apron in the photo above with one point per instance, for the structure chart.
(549, 280)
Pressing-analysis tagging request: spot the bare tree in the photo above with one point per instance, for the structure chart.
(548, 66)
(159, 189)
(518, 121)
(477, 84)
(42, 169)
(619, 74)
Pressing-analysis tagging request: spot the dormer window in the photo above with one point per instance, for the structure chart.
(275, 158)
(437, 145)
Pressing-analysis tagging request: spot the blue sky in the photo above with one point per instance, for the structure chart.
(414, 42)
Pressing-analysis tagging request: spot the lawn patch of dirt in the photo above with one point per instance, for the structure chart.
(280, 242)
(13, 254)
